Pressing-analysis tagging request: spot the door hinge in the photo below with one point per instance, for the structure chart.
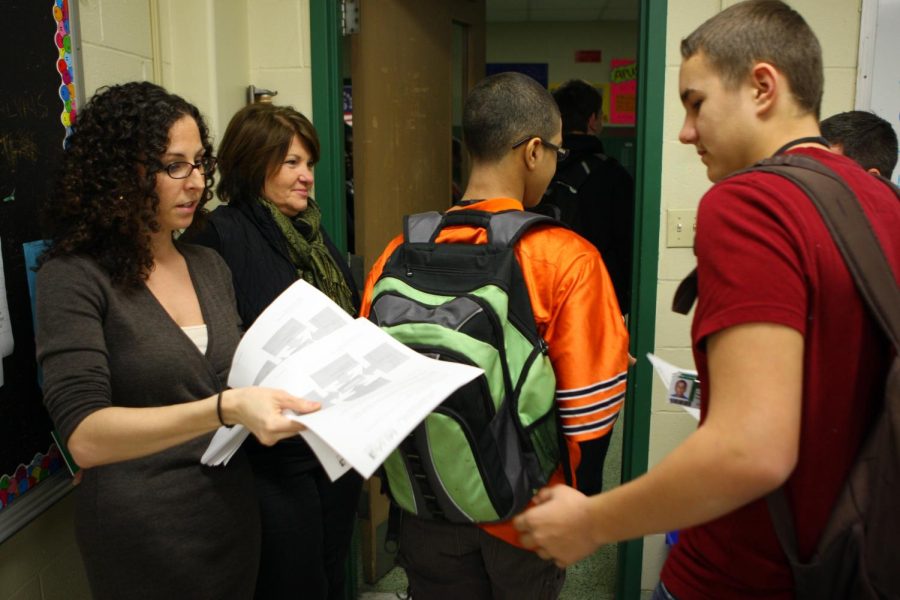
(350, 16)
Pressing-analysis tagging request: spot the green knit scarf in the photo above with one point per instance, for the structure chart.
(310, 255)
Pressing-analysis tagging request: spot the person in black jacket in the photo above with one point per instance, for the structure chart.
(592, 193)
(269, 232)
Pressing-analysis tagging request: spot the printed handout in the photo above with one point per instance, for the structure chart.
(373, 389)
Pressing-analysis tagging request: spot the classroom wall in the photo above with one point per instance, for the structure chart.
(836, 24)
(556, 43)
(115, 42)
(208, 51)
(235, 43)
(280, 56)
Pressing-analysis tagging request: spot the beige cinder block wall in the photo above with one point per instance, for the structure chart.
(116, 42)
(212, 50)
(836, 24)
(208, 51)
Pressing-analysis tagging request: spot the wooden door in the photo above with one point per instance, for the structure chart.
(411, 63)
(403, 77)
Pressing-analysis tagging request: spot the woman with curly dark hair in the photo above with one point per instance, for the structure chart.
(270, 235)
(135, 335)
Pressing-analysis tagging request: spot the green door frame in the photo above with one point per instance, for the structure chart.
(651, 71)
(327, 97)
(325, 31)
(327, 87)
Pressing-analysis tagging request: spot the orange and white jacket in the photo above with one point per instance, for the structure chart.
(577, 314)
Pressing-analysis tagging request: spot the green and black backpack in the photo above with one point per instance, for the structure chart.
(481, 454)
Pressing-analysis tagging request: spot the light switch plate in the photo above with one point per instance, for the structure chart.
(681, 227)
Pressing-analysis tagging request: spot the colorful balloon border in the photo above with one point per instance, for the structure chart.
(64, 65)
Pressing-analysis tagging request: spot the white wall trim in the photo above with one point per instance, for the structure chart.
(866, 57)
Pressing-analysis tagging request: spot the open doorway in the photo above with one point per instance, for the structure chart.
(595, 41)
(636, 149)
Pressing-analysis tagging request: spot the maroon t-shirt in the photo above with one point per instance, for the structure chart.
(765, 255)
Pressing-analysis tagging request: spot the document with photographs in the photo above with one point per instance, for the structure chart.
(683, 386)
(373, 389)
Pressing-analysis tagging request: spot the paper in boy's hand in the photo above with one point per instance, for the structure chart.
(682, 384)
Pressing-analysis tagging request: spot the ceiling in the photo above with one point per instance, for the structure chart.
(515, 11)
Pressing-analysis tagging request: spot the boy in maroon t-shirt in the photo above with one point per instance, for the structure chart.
(791, 364)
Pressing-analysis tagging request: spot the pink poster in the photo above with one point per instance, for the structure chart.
(623, 91)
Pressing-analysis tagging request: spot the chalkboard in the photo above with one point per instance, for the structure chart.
(37, 107)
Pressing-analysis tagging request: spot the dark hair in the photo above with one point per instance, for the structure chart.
(255, 143)
(503, 108)
(762, 30)
(578, 101)
(865, 137)
(104, 203)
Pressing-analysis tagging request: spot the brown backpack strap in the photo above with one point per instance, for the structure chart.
(852, 234)
(686, 294)
(783, 522)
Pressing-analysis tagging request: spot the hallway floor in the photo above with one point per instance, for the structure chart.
(593, 578)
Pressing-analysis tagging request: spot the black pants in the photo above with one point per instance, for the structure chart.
(307, 526)
(447, 561)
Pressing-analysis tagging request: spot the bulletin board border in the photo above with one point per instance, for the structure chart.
(18, 515)
(45, 484)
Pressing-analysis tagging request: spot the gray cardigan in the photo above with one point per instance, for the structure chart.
(161, 526)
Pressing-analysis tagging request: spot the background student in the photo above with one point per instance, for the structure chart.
(594, 192)
(865, 137)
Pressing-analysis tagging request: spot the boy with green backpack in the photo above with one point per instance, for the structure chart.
(531, 303)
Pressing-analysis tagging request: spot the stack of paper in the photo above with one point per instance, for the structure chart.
(373, 389)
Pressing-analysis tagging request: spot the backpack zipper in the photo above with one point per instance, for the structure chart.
(410, 271)
(476, 452)
(540, 349)
(501, 346)
(461, 359)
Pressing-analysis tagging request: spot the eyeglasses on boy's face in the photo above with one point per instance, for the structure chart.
(561, 153)
(183, 170)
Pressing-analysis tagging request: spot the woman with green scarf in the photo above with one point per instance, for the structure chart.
(269, 232)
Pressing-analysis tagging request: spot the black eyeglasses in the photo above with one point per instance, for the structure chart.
(561, 153)
(183, 170)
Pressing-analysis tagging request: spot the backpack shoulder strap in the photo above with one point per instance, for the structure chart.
(852, 234)
(685, 293)
(422, 227)
(504, 228)
(889, 183)
(507, 227)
